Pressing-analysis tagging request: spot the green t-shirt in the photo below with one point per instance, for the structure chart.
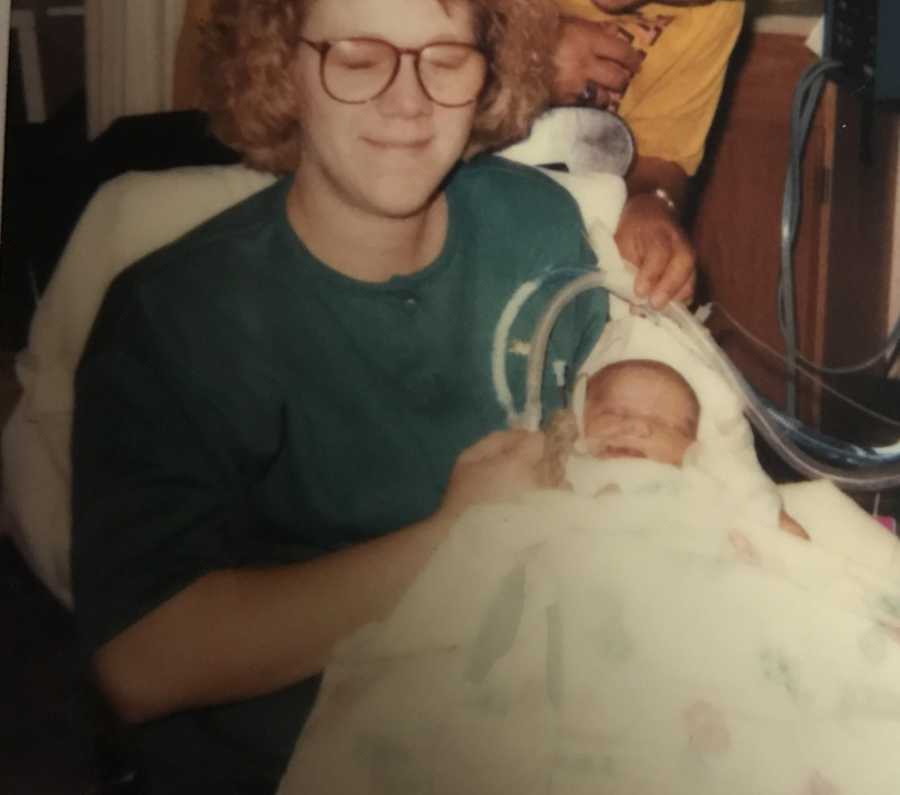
(239, 403)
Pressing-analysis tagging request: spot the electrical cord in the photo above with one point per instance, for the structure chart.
(884, 355)
(806, 100)
(867, 478)
(809, 370)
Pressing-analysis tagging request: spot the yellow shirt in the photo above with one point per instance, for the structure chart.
(671, 101)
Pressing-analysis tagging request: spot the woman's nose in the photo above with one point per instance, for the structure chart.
(405, 95)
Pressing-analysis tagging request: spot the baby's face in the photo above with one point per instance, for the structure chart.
(639, 414)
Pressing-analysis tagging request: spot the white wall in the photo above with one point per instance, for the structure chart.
(130, 57)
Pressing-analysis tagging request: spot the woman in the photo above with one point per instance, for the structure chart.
(279, 416)
(593, 57)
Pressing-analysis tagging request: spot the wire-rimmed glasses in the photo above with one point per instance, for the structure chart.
(357, 70)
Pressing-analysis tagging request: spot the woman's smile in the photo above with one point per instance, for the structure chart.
(403, 144)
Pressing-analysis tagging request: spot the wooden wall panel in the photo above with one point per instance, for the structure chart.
(738, 221)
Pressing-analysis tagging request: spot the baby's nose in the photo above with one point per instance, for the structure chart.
(638, 428)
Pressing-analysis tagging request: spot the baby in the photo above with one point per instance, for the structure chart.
(640, 408)
(635, 408)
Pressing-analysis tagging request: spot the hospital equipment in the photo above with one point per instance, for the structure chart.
(572, 136)
(876, 478)
(862, 34)
(858, 52)
(649, 631)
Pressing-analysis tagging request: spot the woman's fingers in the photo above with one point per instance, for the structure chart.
(494, 444)
(499, 466)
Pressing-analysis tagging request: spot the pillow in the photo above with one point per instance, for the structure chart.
(128, 217)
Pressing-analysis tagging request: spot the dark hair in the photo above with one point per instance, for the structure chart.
(250, 45)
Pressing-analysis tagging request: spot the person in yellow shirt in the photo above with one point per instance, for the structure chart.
(661, 66)
(682, 51)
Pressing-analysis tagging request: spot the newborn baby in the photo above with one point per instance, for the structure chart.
(634, 408)
(640, 408)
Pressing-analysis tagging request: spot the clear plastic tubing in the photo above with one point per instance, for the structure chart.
(878, 478)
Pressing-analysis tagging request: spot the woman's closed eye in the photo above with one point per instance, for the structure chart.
(449, 58)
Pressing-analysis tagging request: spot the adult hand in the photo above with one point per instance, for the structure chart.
(650, 237)
(594, 64)
(501, 465)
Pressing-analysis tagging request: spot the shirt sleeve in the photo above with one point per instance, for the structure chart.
(156, 501)
(671, 102)
(578, 328)
(670, 105)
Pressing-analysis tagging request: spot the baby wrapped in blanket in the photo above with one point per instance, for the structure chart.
(633, 409)
(650, 632)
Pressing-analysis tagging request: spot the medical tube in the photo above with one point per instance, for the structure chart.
(878, 478)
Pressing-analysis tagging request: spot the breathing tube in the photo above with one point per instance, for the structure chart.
(873, 478)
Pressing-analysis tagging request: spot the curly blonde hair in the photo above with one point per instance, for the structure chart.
(249, 47)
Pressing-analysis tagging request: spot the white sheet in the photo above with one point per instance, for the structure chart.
(659, 640)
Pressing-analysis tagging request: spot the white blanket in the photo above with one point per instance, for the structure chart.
(658, 640)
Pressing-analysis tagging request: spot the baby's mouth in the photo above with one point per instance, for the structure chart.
(612, 451)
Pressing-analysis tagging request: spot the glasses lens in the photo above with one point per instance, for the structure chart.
(355, 70)
(452, 74)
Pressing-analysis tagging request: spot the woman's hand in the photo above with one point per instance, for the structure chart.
(594, 64)
(651, 237)
(501, 465)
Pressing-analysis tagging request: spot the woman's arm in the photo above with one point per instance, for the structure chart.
(238, 633)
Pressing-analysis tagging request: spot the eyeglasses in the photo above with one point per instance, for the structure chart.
(357, 70)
